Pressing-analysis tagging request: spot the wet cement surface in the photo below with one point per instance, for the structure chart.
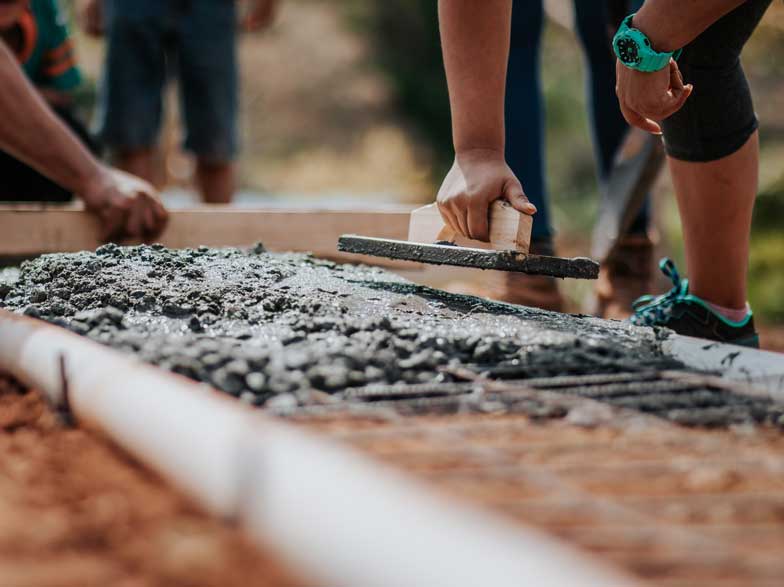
(270, 328)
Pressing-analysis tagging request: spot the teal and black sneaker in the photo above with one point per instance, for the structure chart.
(689, 315)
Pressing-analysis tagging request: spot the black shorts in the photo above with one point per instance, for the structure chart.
(22, 183)
(718, 118)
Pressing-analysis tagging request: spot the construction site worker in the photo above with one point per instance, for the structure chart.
(629, 273)
(31, 132)
(712, 143)
(150, 41)
(36, 32)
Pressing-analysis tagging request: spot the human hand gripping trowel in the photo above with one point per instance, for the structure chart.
(431, 241)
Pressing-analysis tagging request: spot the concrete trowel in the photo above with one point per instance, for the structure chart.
(431, 241)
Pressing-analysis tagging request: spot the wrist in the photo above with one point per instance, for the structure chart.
(92, 187)
(648, 23)
(480, 154)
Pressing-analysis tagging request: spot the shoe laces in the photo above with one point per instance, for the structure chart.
(650, 310)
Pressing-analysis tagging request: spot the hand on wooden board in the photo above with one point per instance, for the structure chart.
(128, 207)
(476, 180)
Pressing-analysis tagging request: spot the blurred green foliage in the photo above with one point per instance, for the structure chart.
(404, 40)
(766, 268)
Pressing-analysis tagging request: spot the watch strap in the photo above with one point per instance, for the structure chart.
(650, 60)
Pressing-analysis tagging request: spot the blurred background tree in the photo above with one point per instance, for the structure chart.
(404, 40)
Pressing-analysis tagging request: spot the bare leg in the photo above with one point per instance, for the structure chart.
(716, 200)
(139, 162)
(215, 181)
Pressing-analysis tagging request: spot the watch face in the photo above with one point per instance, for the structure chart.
(628, 51)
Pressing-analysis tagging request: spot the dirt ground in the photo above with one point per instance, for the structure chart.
(75, 511)
(772, 338)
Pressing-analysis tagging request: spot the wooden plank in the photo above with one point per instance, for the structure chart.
(31, 230)
(509, 229)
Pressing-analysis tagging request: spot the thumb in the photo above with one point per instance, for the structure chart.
(676, 98)
(678, 93)
(676, 79)
(514, 194)
(639, 121)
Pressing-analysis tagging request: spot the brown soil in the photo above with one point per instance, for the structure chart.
(671, 505)
(75, 511)
(772, 338)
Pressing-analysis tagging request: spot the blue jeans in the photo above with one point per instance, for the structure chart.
(525, 108)
(148, 41)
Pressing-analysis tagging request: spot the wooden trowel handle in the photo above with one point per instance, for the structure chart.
(509, 229)
(447, 234)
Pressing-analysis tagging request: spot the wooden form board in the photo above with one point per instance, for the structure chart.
(509, 229)
(30, 230)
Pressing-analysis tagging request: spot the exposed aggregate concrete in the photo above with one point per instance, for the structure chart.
(268, 328)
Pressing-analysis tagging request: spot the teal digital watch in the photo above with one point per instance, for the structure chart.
(635, 51)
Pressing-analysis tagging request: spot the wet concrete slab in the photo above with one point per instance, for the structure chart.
(272, 328)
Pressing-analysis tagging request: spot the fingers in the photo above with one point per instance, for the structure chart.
(478, 225)
(514, 194)
(113, 220)
(460, 214)
(678, 93)
(448, 217)
(134, 221)
(148, 225)
(646, 98)
(676, 79)
(639, 121)
(155, 217)
(676, 100)
(455, 212)
(161, 216)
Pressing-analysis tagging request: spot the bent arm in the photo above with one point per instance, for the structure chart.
(475, 40)
(33, 134)
(673, 24)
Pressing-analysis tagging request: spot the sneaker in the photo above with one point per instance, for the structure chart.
(625, 276)
(534, 291)
(689, 315)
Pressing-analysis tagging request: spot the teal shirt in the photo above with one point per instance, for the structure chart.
(47, 54)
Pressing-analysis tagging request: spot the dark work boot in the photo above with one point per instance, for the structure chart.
(625, 276)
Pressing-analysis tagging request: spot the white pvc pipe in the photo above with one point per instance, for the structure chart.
(763, 370)
(338, 517)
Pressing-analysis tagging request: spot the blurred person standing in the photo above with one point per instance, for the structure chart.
(149, 41)
(629, 274)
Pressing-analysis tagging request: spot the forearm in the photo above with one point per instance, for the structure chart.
(673, 24)
(32, 133)
(475, 40)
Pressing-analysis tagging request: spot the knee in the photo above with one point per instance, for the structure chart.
(718, 118)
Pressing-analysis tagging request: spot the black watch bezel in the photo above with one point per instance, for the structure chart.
(628, 50)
